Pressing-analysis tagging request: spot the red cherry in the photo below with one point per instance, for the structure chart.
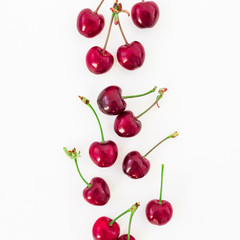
(159, 214)
(103, 231)
(127, 125)
(89, 23)
(145, 14)
(135, 166)
(131, 56)
(103, 154)
(110, 100)
(98, 193)
(125, 237)
(98, 60)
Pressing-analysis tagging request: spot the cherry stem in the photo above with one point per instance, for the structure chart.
(175, 134)
(161, 93)
(86, 101)
(96, 11)
(140, 95)
(132, 209)
(121, 30)
(108, 35)
(75, 159)
(160, 199)
(129, 225)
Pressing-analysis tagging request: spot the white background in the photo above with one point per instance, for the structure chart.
(193, 51)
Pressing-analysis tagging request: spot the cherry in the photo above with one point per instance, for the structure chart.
(97, 191)
(145, 14)
(125, 237)
(127, 125)
(110, 100)
(159, 212)
(131, 55)
(103, 154)
(137, 166)
(107, 229)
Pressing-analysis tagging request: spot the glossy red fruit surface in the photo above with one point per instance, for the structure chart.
(110, 101)
(103, 154)
(125, 236)
(131, 56)
(98, 194)
(127, 125)
(102, 231)
(135, 166)
(99, 61)
(159, 214)
(145, 14)
(89, 23)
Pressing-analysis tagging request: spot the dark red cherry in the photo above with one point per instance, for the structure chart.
(131, 56)
(98, 193)
(135, 166)
(103, 231)
(127, 125)
(125, 236)
(103, 154)
(145, 14)
(98, 60)
(159, 214)
(89, 23)
(110, 101)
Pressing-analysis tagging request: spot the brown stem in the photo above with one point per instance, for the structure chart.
(120, 27)
(96, 11)
(108, 35)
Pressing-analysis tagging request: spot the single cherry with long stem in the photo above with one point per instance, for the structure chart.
(90, 23)
(136, 165)
(158, 211)
(107, 229)
(127, 125)
(104, 153)
(97, 191)
(111, 102)
(145, 14)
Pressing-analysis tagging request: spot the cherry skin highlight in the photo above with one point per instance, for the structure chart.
(135, 166)
(98, 193)
(131, 56)
(99, 61)
(145, 14)
(125, 236)
(127, 125)
(110, 101)
(103, 231)
(89, 23)
(103, 154)
(159, 214)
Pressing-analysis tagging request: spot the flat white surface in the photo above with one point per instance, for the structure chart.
(193, 51)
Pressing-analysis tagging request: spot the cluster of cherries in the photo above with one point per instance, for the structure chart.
(135, 165)
(130, 55)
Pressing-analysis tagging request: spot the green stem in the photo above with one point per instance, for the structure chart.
(96, 11)
(140, 95)
(175, 134)
(161, 93)
(129, 225)
(75, 159)
(160, 199)
(121, 30)
(108, 35)
(86, 101)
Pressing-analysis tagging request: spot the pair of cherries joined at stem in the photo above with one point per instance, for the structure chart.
(130, 56)
(107, 229)
(104, 153)
(144, 15)
(97, 191)
(126, 124)
(136, 165)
